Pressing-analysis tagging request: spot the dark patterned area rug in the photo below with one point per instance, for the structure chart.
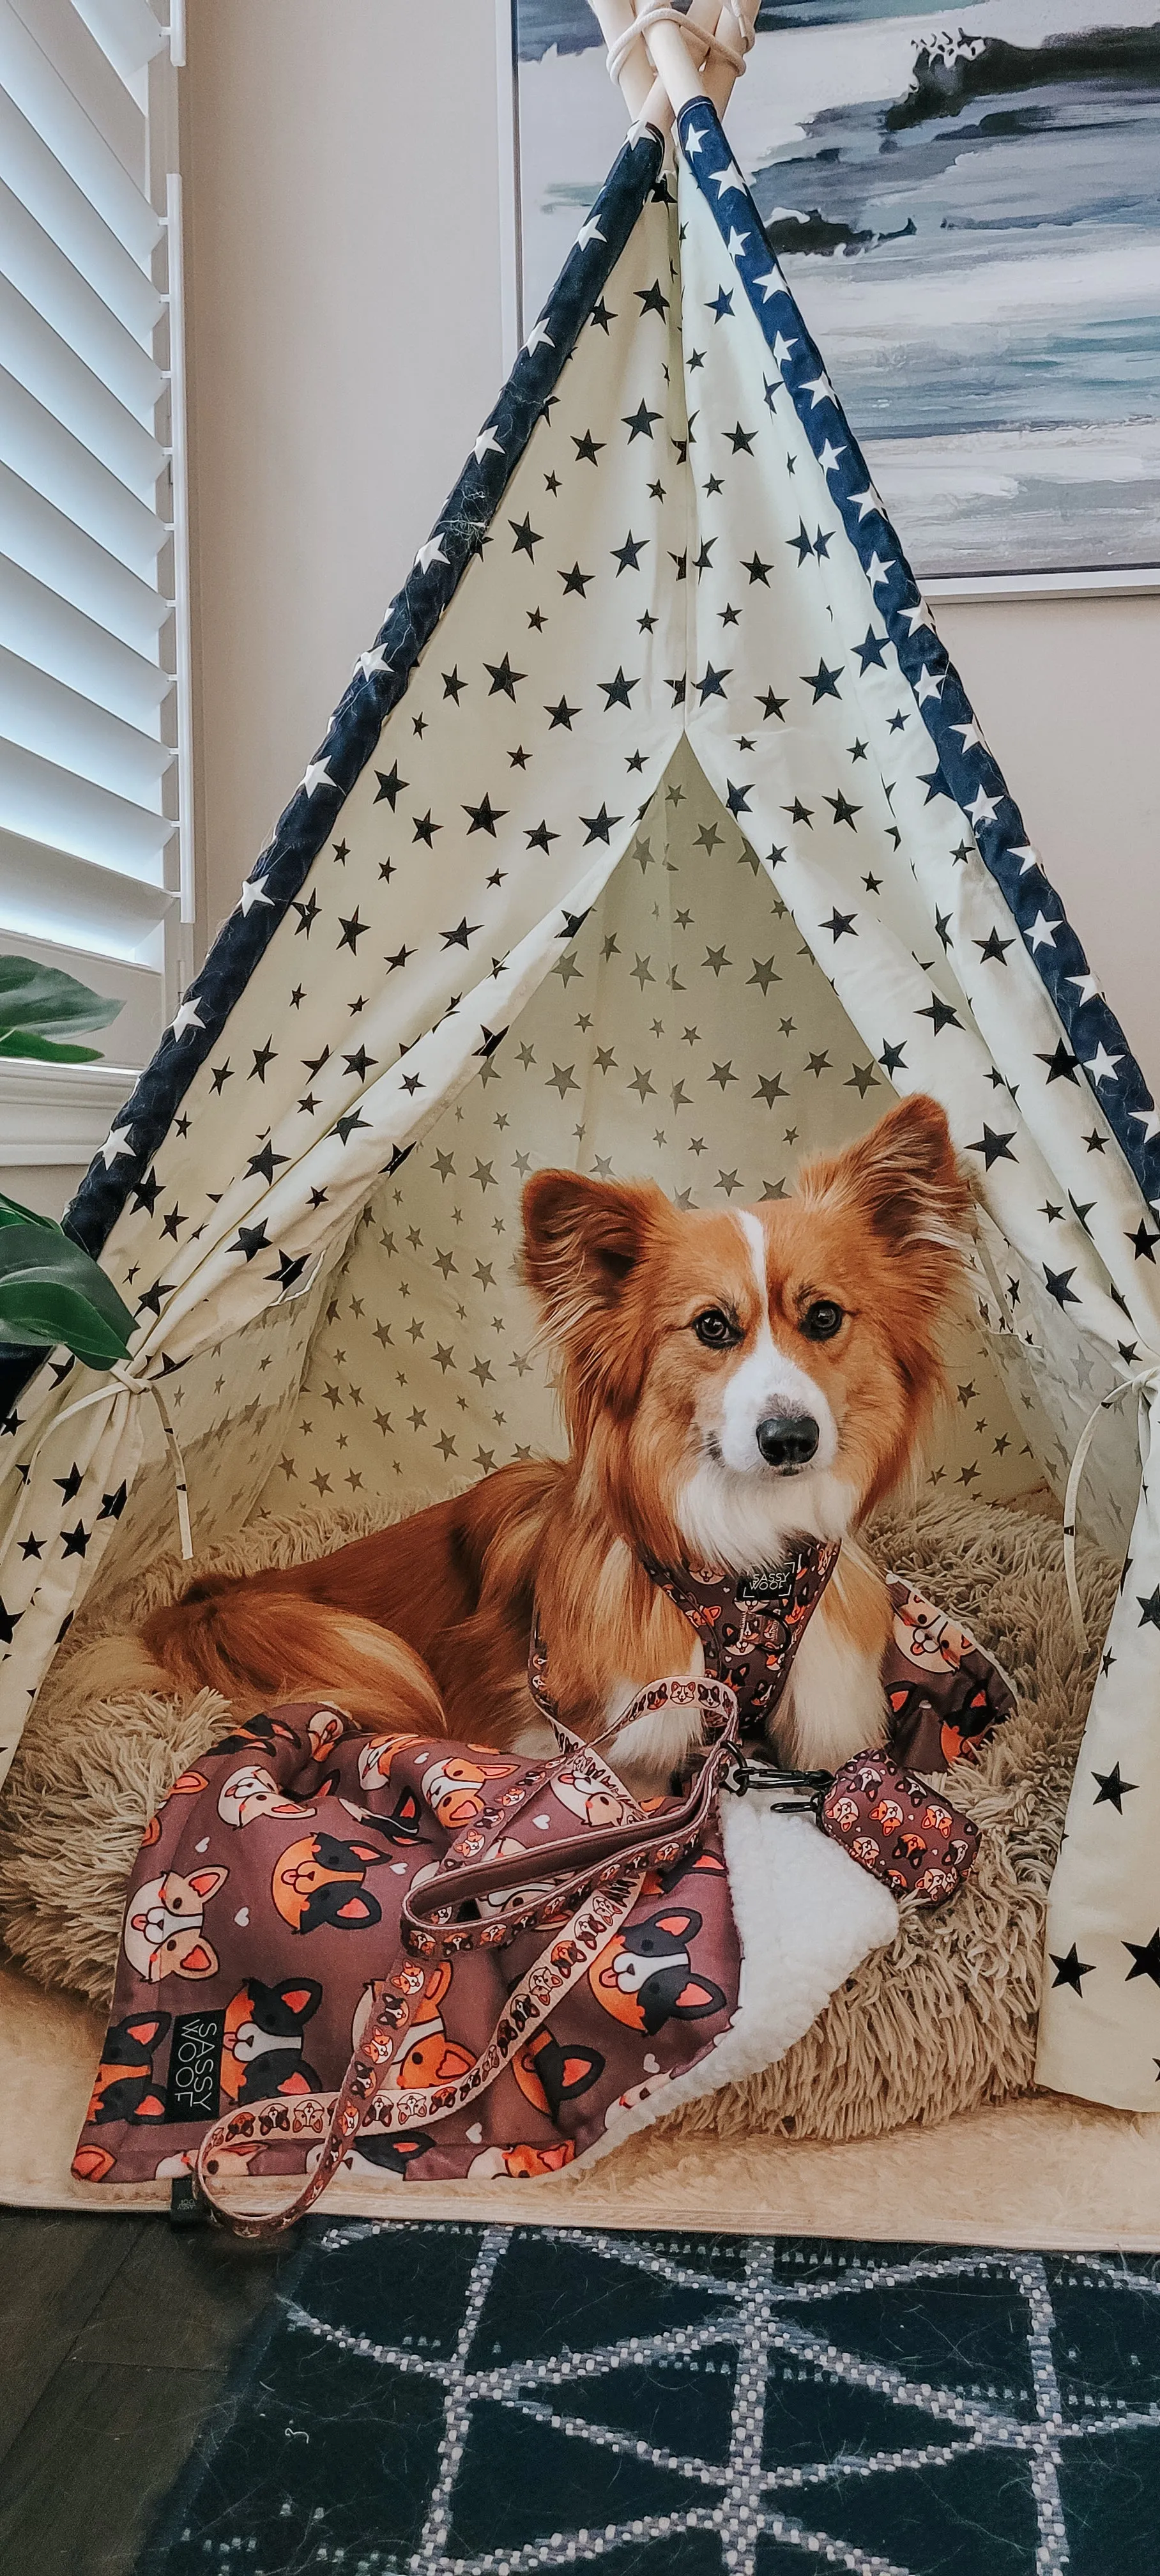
(479, 2401)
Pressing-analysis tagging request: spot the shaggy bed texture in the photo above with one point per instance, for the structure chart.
(942, 2021)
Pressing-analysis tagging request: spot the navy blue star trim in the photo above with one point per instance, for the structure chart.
(961, 772)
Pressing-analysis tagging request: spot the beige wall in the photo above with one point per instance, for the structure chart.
(1068, 691)
(344, 291)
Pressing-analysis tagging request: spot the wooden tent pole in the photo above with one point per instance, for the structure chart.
(736, 26)
(684, 68)
(615, 19)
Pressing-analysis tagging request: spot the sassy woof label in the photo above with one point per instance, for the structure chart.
(195, 2057)
(753, 1588)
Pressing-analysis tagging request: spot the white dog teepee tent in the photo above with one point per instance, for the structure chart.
(653, 832)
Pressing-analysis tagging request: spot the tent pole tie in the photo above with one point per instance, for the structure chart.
(1148, 1378)
(658, 13)
(131, 1384)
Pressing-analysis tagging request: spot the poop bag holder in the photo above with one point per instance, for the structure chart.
(428, 1959)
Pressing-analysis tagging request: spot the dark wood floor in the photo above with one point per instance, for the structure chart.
(116, 2337)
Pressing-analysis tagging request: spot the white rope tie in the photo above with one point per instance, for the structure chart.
(1144, 1378)
(659, 14)
(130, 1384)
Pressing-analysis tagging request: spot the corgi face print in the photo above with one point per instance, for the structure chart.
(520, 2164)
(373, 2156)
(401, 1826)
(189, 1785)
(530, 1891)
(92, 2163)
(163, 1929)
(626, 2103)
(262, 2045)
(377, 1756)
(259, 1734)
(229, 2163)
(428, 2056)
(927, 1637)
(327, 1727)
(452, 1788)
(644, 1977)
(663, 1882)
(966, 1732)
(590, 1800)
(319, 1880)
(367, 2005)
(252, 1791)
(123, 2088)
(549, 2073)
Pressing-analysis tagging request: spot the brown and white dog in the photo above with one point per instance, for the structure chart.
(729, 1381)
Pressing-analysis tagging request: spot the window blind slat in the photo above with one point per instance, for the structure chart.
(63, 212)
(37, 623)
(62, 383)
(87, 561)
(126, 31)
(72, 309)
(46, 542)
(41, 715)
(62, 471)
(84, 67)
(45, 891)
(48, 103)
(44, 803)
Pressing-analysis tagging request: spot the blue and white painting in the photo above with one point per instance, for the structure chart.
(970, 218)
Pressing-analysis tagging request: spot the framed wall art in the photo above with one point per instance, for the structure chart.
(970, 218)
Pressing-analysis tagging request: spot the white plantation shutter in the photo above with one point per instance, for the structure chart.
(94, 852)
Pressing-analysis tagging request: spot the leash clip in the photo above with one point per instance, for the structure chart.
(734, 1773)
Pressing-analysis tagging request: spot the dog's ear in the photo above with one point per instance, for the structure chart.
(904, 1178)
(584, 1243)
(583, 1238)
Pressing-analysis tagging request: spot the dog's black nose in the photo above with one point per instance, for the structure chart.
(787, 1439)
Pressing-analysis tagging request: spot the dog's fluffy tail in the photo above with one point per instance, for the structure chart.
(257, 1644)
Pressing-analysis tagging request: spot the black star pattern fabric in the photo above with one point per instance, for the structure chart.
(627, 1059)
(496, 2401)
(653, 832)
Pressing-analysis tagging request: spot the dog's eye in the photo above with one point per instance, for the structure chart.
(715, 1330)
(822, 1320)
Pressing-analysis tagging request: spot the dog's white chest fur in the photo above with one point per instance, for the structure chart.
(833, 1705)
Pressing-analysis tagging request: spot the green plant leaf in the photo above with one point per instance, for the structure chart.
(12, 1213)
(47, 1001)
(55, 1292)
(27, 1042)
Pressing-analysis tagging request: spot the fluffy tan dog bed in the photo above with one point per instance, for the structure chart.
(942, 2021)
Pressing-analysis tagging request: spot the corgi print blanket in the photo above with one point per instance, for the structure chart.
(263, 1919)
